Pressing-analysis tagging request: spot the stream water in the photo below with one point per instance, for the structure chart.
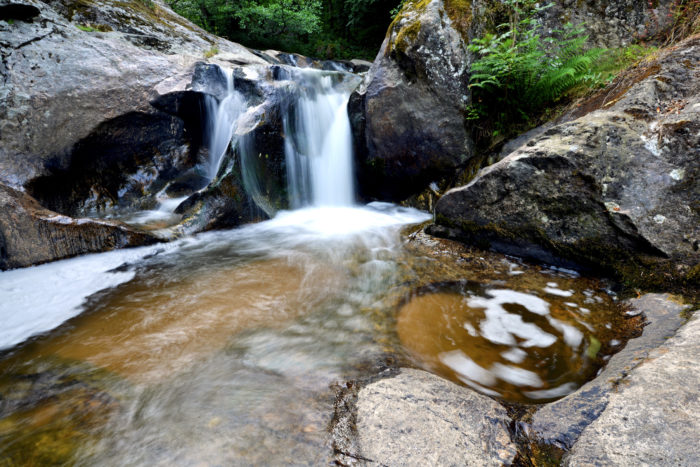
(227, 347)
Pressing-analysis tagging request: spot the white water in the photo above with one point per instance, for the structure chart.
(319, 163)
(164, 212)
(223, 117)
(318, 146)
(40, 298)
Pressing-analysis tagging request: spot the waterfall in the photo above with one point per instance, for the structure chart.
(318, 144)
(222, 117)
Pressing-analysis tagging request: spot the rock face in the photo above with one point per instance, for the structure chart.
(30, 234)
(653, 417)
(408, 116)
(615, 23)
(416, 418)
(615, 189)
(102, 109)
(561, 423)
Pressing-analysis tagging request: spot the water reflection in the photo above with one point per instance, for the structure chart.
(524, 346)
(224, 348)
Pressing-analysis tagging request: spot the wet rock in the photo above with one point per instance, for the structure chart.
(408, 115)
(360, 66)
(210, 79)
(652, 417)
(224, 203)
(560, 423)
(31, 234)
(122, 163)
(615, 189)
(416, 418)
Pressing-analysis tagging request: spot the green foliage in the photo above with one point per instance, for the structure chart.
(397, 9)
(517, 73)
(211, 52)
(86, 28)
(284, 18)
(321, 28)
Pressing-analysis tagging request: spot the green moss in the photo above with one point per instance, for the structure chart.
(211, 52)
(693, 277)
(460, 12)
(86, 28)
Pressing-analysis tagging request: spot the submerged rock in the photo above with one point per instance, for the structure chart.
(615, 189)
(416, 418)
(31, 234)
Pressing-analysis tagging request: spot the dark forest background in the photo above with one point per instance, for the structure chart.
(329, 29)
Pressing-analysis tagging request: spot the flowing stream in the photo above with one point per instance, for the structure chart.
(227, 347)
(222, 121)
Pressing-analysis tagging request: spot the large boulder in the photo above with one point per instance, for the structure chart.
(652, 417)
(99, 111)
(416, 418)
(31, 234)
(615, 189)
(408, 115)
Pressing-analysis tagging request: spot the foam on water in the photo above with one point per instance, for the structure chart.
(40, 298)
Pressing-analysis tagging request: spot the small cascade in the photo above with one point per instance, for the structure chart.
(317, 138)
(318, 145)
(222, 118)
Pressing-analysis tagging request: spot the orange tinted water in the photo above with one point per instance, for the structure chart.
(519, 345)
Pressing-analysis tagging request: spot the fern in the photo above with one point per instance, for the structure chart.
(517, 73)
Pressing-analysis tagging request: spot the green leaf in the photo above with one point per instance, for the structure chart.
(593, 348)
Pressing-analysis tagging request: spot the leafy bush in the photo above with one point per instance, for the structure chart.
(329, 28)
(285, 18)
(517, 73)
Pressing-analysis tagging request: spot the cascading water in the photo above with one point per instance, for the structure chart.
(318, 145)
(226, 347)
(222, 118)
